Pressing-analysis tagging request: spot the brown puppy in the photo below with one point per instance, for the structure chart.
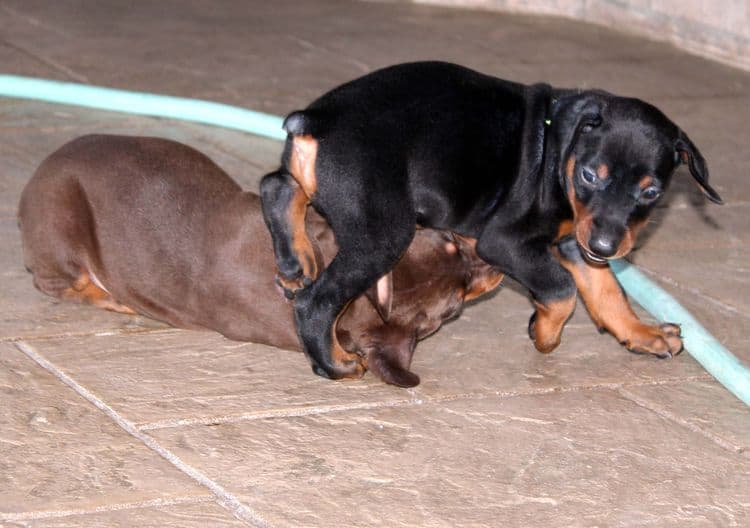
(151, 226)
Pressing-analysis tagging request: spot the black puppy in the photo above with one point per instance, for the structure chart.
(551, 183)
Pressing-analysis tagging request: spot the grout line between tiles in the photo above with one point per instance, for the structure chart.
(92, 333)
(413, 401)
(56, 514)
(664, 413)
(47, 61)
(223, 497)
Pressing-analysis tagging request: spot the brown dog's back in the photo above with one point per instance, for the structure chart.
(162, 228)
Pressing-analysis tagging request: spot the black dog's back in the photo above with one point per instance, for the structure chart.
(460, 125)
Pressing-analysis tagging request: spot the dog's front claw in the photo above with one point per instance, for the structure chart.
(290, 287)
(348, 370)
(663, 341)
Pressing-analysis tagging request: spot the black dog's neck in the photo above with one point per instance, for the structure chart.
(540, 163)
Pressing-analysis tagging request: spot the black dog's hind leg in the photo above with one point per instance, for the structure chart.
(372, 234)
(284, 204)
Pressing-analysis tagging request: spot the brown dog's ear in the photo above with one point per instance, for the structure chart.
(689, 154)
(381, 296)
(483, 278)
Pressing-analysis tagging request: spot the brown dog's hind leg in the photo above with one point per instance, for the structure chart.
(610, 310)
(84, 290)
(66, 286)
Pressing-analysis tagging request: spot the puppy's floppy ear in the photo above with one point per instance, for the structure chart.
(381, 296)
(482, 277)
(572, 112)
(688, 153)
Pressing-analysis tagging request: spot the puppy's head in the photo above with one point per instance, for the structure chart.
(617, 156)
(439, 272)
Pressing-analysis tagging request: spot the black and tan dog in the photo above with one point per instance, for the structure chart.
(551, 183)
(151, 226)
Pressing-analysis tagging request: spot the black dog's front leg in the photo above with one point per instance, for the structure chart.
(552, 287)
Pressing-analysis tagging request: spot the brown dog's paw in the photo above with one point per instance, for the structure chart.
(662, 341)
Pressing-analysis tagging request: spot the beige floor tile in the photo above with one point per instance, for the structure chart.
(59, 452)
(642, 449)
(162, 377)
(704, 406)
(563, 460)
(205, 514)
(200, 375)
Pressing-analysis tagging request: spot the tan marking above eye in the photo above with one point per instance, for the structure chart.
(645, 182)
(602, 171)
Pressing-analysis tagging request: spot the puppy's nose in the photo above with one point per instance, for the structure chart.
(602, 246)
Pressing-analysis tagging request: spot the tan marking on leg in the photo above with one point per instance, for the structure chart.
(301, 243)
(302, 168)
(302, 163)
(85, 291)
(550, 320)
(610, 310)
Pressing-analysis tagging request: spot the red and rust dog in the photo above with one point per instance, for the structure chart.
(551, 182)
(151, 226)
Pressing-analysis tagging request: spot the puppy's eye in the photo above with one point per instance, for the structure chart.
(649, 194)
(591, 123)
(589, 177)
